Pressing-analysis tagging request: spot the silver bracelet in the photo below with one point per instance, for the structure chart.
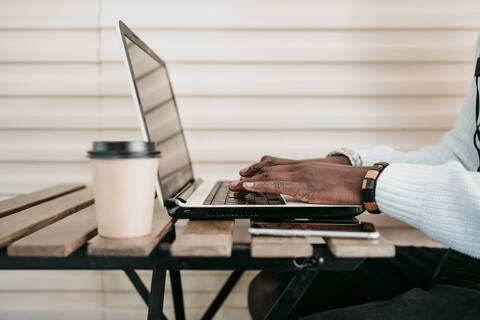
(353, 156)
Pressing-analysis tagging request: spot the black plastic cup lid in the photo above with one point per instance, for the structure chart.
(123, 149)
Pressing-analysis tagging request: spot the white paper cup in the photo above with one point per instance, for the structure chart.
(124, 175)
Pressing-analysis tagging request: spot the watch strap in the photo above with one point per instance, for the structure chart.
(368, 187)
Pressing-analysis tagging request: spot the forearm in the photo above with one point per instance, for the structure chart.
(432, 155)
(443, 201)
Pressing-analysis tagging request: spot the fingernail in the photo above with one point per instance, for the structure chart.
(233, 184)
(248, 184)
(243, 171)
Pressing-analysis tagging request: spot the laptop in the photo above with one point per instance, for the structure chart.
(178, 190)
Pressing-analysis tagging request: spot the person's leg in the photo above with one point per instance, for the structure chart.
(441, 302)
(374, 280)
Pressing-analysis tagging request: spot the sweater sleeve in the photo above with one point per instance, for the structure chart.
(435, 189)
(455, 145)
(443, 201)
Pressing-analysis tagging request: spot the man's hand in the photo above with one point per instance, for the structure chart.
(269, 161)
(314, 181)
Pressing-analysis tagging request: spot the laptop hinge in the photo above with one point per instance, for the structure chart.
(186, 191)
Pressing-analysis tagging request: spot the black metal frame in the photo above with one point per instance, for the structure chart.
(161, 260)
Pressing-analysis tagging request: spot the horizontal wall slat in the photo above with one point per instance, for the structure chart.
(30, 176)
(29, 113)
(291, 46)
(298, 113)
(212, 145)
(58, 14)
(48, 79)
(49, 280)
(317, 113)
(190, 313)
(318, 80)
(250, 79)
(66, 313)
(191, 299)
(56, 299)
(236, 113)
(293, 14)
(49, 46)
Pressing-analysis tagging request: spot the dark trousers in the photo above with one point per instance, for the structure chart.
(409, 286)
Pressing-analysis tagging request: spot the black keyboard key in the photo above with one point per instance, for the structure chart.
(221, 195)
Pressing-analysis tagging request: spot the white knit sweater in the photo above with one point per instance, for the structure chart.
(436, 189)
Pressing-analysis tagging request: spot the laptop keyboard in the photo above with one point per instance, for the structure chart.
(221, 195)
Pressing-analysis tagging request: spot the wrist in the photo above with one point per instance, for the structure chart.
(358, 175)
(352, 156)
(339, 160)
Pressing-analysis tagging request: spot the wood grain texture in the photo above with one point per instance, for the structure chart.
(25, 201)
(269, 247)
(59, 239)
(240, 232)
(133, 247)
(361, 248)
(207, 238)
(22, 223)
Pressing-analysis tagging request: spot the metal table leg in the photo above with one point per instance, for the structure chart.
(138, 284)
(222, 294)
(155, 304)
(286, 302)
(176, 283)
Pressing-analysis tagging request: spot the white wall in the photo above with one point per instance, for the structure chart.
(289, 78)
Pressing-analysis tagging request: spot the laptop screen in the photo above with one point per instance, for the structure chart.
(160, 117)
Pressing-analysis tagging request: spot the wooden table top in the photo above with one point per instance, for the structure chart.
(56, 221)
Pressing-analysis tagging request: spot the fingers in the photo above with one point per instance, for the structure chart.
(279, 187)
(266, 161)
(277, 173)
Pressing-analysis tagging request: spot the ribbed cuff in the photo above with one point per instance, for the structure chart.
(400, 191)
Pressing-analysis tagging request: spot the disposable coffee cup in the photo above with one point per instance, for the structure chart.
(124, 175)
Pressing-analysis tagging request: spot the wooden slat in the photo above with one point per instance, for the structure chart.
(204, 239)
(269, 247)
(316, 240)
(358, 248)
(22, 223)
(25, 201)
(240, 232)
(59, 239)
(133, 247)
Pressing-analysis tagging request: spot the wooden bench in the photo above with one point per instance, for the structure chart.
(55, 228)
